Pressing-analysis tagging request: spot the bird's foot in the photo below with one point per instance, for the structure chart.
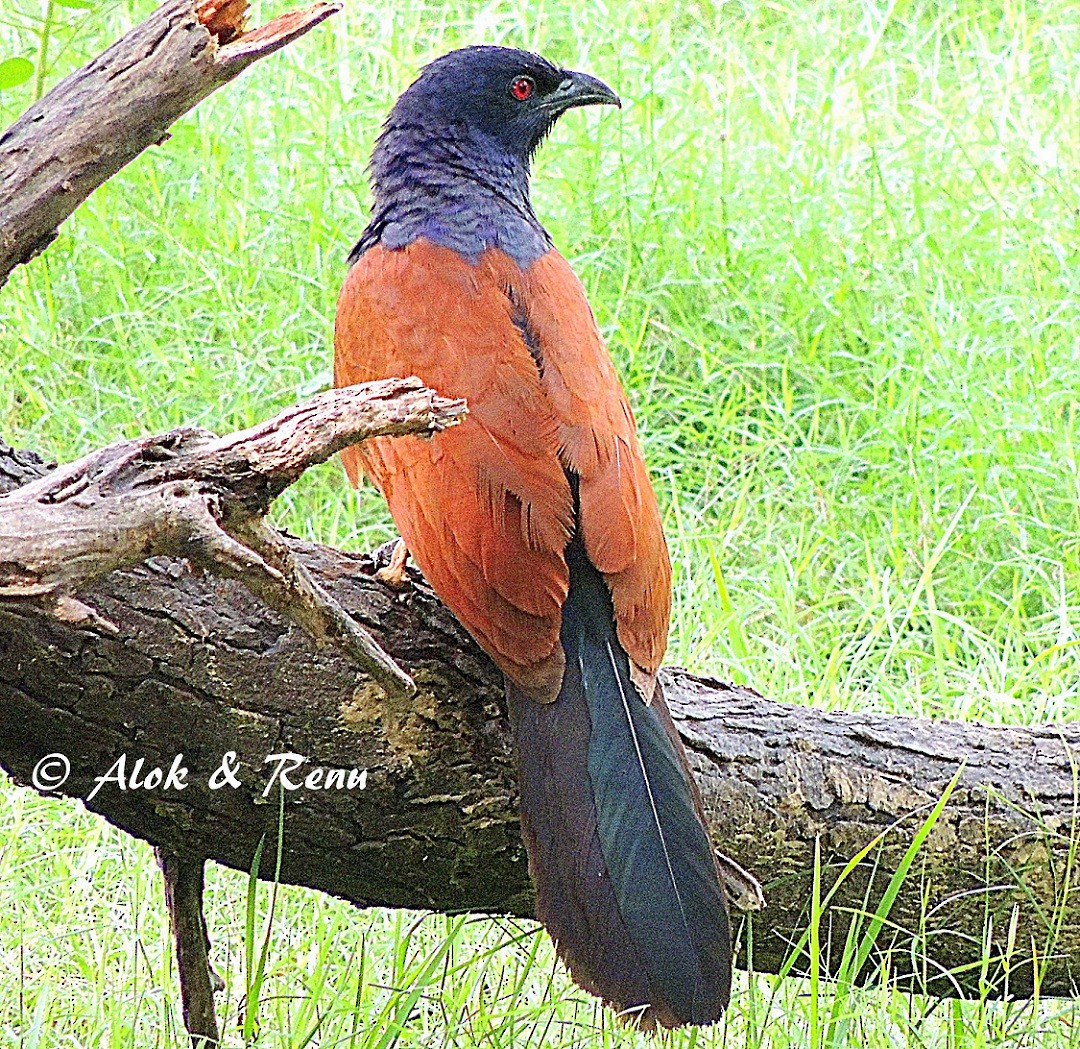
(394, 574)
(743, 890)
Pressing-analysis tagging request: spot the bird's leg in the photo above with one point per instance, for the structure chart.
(393, 574)
(743, 890)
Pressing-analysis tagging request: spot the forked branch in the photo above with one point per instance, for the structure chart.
(189, 493)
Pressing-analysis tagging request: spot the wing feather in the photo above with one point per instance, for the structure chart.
(620, 518)
(485, 509)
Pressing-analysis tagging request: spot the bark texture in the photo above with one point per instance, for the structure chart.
(104, 115)
(198, 667)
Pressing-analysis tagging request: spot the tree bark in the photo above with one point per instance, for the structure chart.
(104, 115)
(191, 493)
(198, 667)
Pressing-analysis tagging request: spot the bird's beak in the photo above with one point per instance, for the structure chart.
(580, 89)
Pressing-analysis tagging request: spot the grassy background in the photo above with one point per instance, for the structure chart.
(833, 248)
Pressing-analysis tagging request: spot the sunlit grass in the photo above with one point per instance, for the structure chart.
(834, 250)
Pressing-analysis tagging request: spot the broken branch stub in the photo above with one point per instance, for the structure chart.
(102, 116)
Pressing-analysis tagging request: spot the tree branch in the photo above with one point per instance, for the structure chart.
(104, 115)
(183, 877)
(191, 493)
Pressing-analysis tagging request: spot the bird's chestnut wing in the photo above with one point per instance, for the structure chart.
(597, 439)
(485, 507)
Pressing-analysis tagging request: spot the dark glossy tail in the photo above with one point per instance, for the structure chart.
(626, 883)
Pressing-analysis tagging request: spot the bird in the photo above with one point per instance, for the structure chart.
(536, 523)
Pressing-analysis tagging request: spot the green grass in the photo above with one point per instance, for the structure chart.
(833, 247)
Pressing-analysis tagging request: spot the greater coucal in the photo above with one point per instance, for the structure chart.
(535, 522)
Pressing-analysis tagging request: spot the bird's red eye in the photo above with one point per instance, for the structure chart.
(523, 87)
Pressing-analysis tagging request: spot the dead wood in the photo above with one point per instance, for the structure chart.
(191, 493)
(104, 115)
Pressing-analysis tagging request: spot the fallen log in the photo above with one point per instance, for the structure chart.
(197, 666)
(191, 493)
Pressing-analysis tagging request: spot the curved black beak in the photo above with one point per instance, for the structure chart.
(580, 89)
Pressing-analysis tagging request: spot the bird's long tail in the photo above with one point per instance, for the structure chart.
(626, 883)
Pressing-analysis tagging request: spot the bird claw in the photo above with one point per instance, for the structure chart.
(744, 891)
(395, 573)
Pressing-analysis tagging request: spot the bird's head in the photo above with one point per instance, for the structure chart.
(452, 162)
(505, 97)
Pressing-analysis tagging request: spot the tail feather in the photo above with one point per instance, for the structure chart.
(625, 878)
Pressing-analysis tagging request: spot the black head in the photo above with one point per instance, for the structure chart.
(510, 97)
(452, 162)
